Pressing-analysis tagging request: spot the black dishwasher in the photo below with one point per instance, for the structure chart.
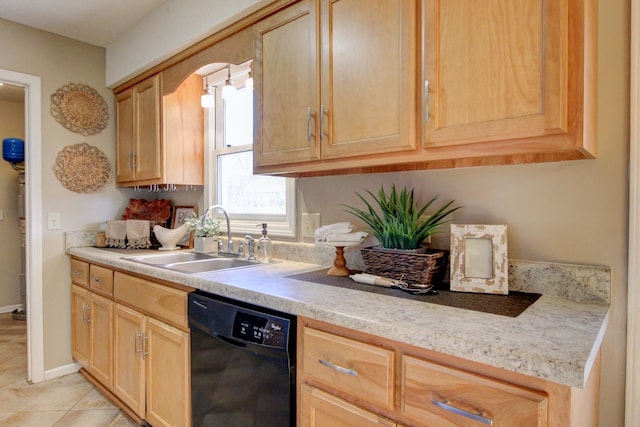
(242, 364)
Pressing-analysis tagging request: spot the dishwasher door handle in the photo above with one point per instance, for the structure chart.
(231, 341)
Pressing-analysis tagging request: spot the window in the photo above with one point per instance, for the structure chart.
(249, 199)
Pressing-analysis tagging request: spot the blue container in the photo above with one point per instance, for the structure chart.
(13, 150)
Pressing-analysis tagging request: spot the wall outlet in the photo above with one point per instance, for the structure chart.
(53, 220)
(310, 222)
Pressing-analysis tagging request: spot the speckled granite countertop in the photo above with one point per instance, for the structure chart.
(555, 339)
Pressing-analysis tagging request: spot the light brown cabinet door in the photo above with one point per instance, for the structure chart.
(125, 136)
(494, 71)
(138, 145)
(168, 372)
(128, 363)
(286, 116)
(183, 133)
(80, 333)
(101, 326)
(147, 118)
(369, 72)
(321, 409)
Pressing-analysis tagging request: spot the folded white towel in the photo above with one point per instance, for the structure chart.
(138, 232)
(371, 279)
(337, 228)
(356, 236)
(115, 234)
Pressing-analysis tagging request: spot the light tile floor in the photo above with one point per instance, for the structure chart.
(66, 401)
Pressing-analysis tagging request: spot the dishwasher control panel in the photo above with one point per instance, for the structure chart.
(263, 330)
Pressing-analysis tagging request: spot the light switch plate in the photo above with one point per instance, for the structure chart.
(310, 222)
(53, 220)
(1, 215)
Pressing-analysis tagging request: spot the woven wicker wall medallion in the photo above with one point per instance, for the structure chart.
(79, 108)
(82, 168)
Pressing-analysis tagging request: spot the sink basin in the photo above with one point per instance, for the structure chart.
(192, 262)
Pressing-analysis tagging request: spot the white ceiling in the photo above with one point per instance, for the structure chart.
(98, 22)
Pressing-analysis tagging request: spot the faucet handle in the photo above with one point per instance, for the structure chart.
(250, 243)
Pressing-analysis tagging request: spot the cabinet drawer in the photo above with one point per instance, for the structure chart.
(101, 280)
(440, 396)
(320, 409)
(159, 301)
(80, 272)
(361, 370)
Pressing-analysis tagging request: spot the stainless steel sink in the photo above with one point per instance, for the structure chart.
(192, 262)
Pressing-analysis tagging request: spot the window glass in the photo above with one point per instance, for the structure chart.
(238, 118)
(241, 192)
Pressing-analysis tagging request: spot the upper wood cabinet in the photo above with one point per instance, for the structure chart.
(506, 77)
(138, 147)
(160, 139)
(335, 79)
(345, 86)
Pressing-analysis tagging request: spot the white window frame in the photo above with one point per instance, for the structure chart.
(240, 224)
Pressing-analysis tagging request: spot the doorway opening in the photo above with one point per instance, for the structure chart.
(33, 213)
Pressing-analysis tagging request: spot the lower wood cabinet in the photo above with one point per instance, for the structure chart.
(92, 335)
(349, 378)
(437, 395)
(321, 409)
(151, 361)
(131, 336)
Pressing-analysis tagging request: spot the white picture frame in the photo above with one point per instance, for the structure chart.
(479, 261)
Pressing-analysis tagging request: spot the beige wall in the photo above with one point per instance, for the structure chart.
(11, 126)
(58, 61)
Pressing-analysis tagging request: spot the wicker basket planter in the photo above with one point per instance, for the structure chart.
(424, 268)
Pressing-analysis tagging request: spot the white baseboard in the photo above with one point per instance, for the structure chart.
(10, 308)
(61, 371)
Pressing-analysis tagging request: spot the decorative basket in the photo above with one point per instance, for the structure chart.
(417, 268)
(80, 108)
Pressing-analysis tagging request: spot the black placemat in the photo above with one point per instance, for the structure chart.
(511, 305)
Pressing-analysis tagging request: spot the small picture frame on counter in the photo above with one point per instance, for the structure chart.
(180, 214)
(479, 261)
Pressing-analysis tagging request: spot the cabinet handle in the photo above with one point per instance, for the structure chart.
(447, 407)
(88, 319)
(96, 279)
(321, 121)
(145, 338)
(135, 342)
(426, 101)
(84, 312)
(133, 160)
(347, 371)
(309, 115)
(77, 272)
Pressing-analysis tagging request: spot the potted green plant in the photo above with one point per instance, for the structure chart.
(401, 225)
(205, 233)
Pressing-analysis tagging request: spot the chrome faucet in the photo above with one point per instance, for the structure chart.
(226, 215)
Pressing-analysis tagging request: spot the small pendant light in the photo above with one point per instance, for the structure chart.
(228, 89)
(207, 100)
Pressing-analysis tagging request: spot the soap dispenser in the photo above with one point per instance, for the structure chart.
(263, 250)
